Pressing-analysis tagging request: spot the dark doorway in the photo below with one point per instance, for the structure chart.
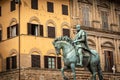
(108, 61)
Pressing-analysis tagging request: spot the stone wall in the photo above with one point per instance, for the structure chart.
(51, 74)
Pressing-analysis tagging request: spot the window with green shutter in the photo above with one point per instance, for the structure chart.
(11, 62)
(12, 31)
(34, 4)
(52, 62)
(51, 32)
(35, 59)
(50, 7)
(65, 9)
(0, 35)
(35, 29)
(66, 32)
(0, 10)
(12, 5)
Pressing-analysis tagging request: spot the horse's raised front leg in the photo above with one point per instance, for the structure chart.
(62, 70)
(73, 70)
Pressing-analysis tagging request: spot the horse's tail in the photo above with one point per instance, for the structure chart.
(100, 75)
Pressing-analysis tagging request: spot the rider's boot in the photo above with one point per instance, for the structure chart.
(81, 59)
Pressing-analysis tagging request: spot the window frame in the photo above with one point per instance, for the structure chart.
(12, 5)
(86, 16)
(40, 29)
(51, 32)
(0, 34)
(34, 4)
(37, 59)
(64, 9)
(110, 58)
(104, 20)
(10, 31)
(0, 11)
(66, 32)
(11, 62)
(50, 7)
(57, 62)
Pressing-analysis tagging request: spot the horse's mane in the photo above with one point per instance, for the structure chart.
(63, 38)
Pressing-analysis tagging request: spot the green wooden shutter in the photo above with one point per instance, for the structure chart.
(29, 28)
(8, 32)
(8, 63)
(17, 31)
(66, 32)
(14, 62)
(51, 32)
(35, 60)
(59, 62)
(46, 61)
(34, 4)
(41, 30)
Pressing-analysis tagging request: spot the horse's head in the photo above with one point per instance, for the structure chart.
(57, 46)
(59, 43)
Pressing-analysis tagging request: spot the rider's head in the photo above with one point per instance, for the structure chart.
(78, 28)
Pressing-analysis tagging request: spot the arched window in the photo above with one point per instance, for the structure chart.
(12, 30)
(35, 59)
(11, 61)
(34, 27)
(66, 31)
(51, 61)
(108, 50)
(51, 29)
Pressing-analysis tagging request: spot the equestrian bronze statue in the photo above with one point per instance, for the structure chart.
(76, 53)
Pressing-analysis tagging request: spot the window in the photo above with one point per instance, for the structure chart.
(51, 32)
(64, 9)
(1, 61)
(119, 20)
(35, 60)
(108, 60)
(34, 4)
(12, 5)
(12, 31)
(85, 14)
(0, 35)
(35, 29)
(11, 62)
(104, 17)
(50, 7)
(66, 32)
(0, 11)
(50, 62)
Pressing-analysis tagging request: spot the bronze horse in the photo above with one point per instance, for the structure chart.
(92, 62)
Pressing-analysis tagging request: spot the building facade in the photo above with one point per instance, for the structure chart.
(28, 28)
(101, 19)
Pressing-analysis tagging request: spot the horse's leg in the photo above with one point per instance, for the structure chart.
(100, 75)
(93, 69)
(73, 70)
(62, 70)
